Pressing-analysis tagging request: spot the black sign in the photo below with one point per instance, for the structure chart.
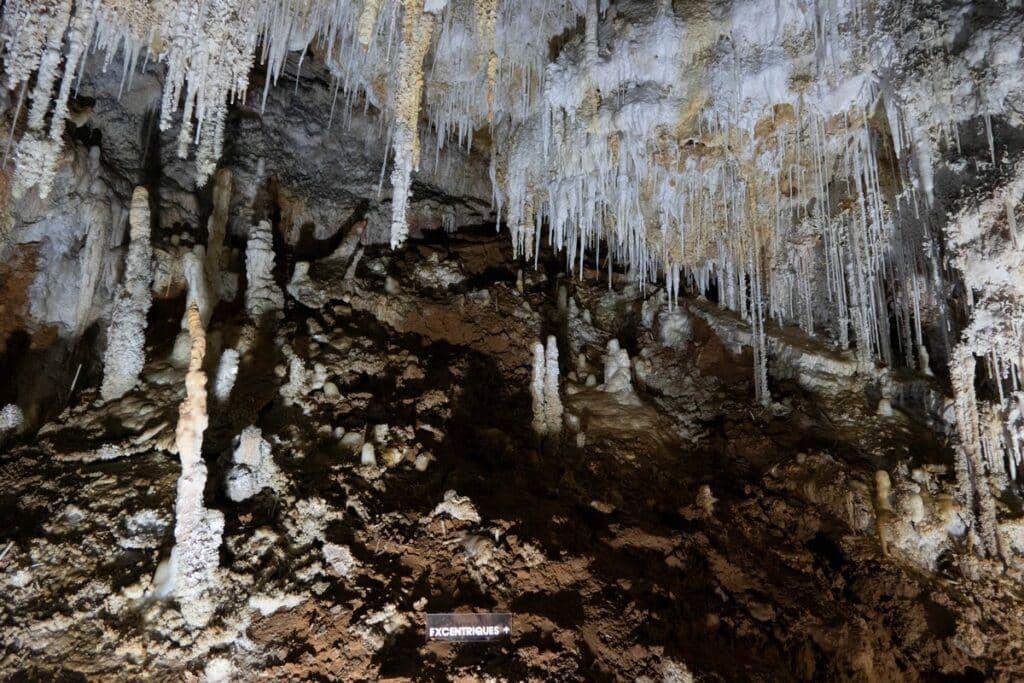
(468, 626)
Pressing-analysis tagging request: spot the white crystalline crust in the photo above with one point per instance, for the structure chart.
(991, 432)
(11, 418)
(253, 468)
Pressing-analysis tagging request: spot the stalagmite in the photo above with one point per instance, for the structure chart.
(197, 530)
(253, 468)
(552, 400)
(544, 389)
(540, 423)
(705, 502)
(262, 295)
(227, 373)
(618, 371)
(972, 474)
(126, 337)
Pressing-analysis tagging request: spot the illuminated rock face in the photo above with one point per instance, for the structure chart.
(783, 153)
(778, 242)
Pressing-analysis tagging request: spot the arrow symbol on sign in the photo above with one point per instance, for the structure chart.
(506, 630)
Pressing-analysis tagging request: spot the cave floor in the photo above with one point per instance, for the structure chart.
(598, 546)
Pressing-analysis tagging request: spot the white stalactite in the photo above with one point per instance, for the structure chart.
(417, 31)
(367, 21)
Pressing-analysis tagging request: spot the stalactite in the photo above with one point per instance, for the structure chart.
(367, 21)
(417, 31)
(486, 24)
(36, 156)
(199, 290)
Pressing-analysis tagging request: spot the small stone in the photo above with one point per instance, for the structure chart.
(706, 500)
(885, 408)
(353, 441)
(339, 559)
(368, 455)
(331, 390)
(393, 456)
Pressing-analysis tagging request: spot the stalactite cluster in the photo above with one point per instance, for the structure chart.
(780, 155)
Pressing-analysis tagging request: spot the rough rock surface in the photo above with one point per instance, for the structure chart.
(690, 530)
